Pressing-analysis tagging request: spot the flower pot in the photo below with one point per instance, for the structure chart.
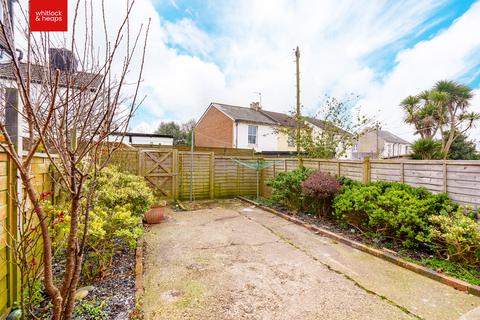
(155, 214)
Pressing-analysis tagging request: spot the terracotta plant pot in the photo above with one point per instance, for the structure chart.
(156, 213)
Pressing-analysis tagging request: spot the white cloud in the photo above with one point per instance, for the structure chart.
(252, 50)
(187, 35)
(446, 56)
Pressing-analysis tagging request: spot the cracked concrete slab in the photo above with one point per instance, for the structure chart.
(250, 264)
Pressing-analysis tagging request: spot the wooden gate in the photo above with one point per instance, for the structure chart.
(158, 166)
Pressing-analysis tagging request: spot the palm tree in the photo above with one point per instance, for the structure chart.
(421, 112)
(454, 99)
(411, 106)
(444, 108)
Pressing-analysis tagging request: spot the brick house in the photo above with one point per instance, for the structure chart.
(229, 126)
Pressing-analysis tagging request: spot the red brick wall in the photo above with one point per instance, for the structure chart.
(214, 130)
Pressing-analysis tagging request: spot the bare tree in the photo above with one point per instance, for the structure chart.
(71, 100)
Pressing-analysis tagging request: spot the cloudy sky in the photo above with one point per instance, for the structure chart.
(225, 51)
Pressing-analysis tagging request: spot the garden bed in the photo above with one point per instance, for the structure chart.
(419, 256)
(117, 290)
(109, 298)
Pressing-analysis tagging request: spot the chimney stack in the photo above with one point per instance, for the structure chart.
(62, 59)
(255, 106)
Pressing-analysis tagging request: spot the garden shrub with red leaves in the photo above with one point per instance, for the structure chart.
(321, 187)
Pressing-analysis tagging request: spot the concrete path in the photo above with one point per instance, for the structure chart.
(238, 262)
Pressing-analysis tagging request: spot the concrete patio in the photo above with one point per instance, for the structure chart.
(232, 261)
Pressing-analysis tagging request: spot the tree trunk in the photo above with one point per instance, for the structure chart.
(50, 287)
(70, 299)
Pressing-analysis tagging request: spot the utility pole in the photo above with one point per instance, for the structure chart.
(298, 115)
(192, 147)
(376, 130)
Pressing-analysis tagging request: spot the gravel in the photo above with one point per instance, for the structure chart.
(118, 288)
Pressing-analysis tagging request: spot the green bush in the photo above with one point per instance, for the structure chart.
(121, 199)
(391, 210)
(427, 149)
(117, 189)
(287, 188)
(110, 230)
(456, 237)
(115, 223)
(346, 182)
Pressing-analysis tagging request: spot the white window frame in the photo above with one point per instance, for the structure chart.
(290, 140)
(249, 135)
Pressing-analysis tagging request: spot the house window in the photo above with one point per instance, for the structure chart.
(355, 147)
(291, 141)
(252, 134)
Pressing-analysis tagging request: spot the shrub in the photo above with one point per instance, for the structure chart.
(287, 188)
(92, 310)
(391, 210)
(426, 149)
(110, 230)
(320, 188)
(456, 237)
(115, 222)
(117, 189)
(346, 182)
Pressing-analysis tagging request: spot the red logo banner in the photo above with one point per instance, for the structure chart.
(48, 15)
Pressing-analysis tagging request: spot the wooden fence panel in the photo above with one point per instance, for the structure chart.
(126, 160)
(200, 175)
(329, 167)
(221, 176)
(9, 277)
(352, 170)
(463, 182)
(385, 172)
(5, 293)
(232, 178)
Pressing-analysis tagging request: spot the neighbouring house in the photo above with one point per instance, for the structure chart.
(318, 126)
(141, 139)
(228, 126)
(380, 144)
(40, 77)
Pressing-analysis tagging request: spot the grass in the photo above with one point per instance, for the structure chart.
(468, 274)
